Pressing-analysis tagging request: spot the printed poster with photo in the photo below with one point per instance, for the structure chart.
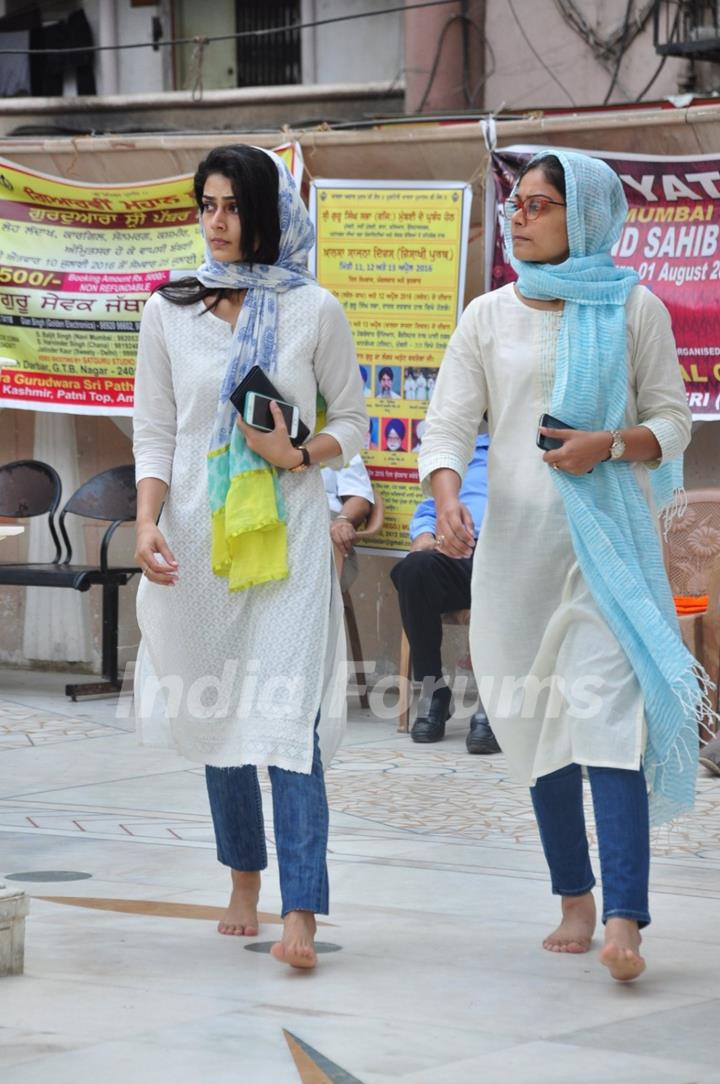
(394, 254)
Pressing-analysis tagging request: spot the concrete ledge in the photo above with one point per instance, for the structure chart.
(14, 906)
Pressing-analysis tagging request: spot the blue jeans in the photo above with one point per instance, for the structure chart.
(300, 813)
(621, 818)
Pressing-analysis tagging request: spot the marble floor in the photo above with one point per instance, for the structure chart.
(433, 972)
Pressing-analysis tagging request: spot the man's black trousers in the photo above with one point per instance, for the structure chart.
(429, 584)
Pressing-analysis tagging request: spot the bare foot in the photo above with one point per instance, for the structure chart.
(240, 919)
(574, 934)
(297, 946)
(620, 954)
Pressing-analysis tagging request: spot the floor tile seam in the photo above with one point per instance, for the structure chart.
(684, 861)
(65, 740)
(687, 1001)
(685, 892)
(95, 783)
(37, 715)
(344, 859)
(51, 696)
(216, 1008)
(693, 892)
(38, 833)
(698, 1062)
(65, 809)
(114, 732)
(691, 998)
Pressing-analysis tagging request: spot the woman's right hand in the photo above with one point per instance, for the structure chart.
(154, 556)
(455, 531)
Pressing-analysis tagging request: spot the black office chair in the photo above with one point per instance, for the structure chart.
(110, 495)
(29, 487)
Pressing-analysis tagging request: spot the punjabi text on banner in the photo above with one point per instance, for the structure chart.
(394, 254)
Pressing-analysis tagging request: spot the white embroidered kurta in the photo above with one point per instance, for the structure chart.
(535, 626)
(242, 674)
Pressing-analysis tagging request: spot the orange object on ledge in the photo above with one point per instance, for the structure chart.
(690, 604)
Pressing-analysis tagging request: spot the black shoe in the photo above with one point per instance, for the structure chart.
(710, 756)
(481, 738)
(430, 723)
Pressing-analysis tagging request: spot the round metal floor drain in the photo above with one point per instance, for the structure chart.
(265, 946)
(48, 875)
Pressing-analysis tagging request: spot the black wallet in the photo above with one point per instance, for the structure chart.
(258, 381)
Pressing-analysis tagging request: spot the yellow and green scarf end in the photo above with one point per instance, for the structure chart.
(249, 535)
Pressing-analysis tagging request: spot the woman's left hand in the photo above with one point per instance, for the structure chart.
(580, 452)
(275, 447)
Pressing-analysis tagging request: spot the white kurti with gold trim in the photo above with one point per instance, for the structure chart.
(556, 684)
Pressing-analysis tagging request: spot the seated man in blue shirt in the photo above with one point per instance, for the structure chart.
(430, 584)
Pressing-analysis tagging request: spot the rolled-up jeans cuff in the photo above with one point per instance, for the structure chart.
(641, 917)
(319, 906)
(573, 891)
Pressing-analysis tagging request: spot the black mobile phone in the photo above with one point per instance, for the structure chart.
(256, 380)
(258, 414)
(548, 444)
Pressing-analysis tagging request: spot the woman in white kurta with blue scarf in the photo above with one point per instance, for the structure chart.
(239, 607)
(573, 634)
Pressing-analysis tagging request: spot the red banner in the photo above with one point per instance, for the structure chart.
(672, 238)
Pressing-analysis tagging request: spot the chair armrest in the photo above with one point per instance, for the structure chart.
(105, 544)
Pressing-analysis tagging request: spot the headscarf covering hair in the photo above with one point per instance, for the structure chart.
(249, 543)
(612, 530)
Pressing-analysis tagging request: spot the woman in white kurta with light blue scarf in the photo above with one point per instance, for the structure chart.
(239, 606)
(573, 636)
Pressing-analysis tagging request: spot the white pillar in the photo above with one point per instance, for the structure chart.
(57, 620)
(107, 10)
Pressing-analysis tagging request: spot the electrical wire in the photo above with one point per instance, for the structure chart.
(469, 97)
(622, 49)
(603, 49)
(201, 38)
(535, 53)
(646, 88)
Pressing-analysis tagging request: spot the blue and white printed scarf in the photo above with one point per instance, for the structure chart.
(246, 504)
(613, 533)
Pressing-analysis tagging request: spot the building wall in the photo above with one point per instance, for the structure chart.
(360, 51)
(565, 71)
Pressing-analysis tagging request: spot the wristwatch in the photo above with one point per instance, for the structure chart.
(305, 461)
(617, 446)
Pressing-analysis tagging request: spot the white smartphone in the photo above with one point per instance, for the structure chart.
(257, 413)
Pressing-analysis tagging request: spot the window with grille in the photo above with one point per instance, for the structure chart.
(270, 59)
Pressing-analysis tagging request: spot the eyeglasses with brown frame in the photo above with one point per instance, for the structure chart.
(532, 207)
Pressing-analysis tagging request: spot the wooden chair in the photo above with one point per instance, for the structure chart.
(454, 617)
(373, 526)
(692, 559)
